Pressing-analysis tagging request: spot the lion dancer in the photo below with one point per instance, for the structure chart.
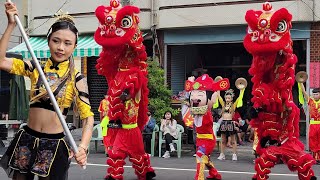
(123, 63)
(314, 110)
(275, 115)
(204, 91)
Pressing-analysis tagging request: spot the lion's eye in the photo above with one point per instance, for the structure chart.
(109, 19)
(126, 22)
(282, 26)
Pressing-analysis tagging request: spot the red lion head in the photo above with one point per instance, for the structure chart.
(118, 25)
(268, 30)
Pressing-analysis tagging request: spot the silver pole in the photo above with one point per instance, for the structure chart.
(308, 92)
(47, 86)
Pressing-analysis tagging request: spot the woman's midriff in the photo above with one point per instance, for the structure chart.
(45, 121)
(227, 116)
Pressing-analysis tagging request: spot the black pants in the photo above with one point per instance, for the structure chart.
(32, 152)
(168, 139)
(147, 139)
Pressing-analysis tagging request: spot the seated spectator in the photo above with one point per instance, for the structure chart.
(169, 129)
(148, 129)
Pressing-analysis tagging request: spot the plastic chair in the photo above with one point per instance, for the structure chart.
(96, 136)
(215, 130)
(153, 139)
(178, 141)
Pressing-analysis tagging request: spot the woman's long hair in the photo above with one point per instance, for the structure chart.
(164, 115)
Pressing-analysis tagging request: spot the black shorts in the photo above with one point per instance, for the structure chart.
(35, 153)
(244, 128)
(227, 127)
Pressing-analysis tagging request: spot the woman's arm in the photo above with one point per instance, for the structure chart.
(221, 101)
(239, 102)
(6, 63)
(173, 125)
(86, 132)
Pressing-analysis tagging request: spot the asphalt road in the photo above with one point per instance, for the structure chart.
(180, 169)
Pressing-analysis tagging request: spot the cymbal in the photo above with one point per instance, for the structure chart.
(241, 83)
(301, 77)
(218, 78)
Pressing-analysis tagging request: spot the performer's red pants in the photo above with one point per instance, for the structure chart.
(291, 153)
(314, 140)
(128, 142)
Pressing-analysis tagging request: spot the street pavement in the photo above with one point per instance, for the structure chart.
(180, 168)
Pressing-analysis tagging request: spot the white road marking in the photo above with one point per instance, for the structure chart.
(178, 169)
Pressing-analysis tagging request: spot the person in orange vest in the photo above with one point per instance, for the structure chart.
(103, 107)
(314, 113)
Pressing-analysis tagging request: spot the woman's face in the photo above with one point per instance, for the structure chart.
(61, 44)
(167, 115)
(228, 98)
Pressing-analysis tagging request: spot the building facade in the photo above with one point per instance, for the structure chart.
(193, 35)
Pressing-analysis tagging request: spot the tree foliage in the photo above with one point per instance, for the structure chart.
(159, 94)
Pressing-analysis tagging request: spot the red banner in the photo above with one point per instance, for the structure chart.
(314, 75)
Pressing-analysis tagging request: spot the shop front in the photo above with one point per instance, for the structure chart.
(218, 51)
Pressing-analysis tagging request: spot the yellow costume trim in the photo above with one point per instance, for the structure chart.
(301, 98)
(316, 102)
(205, 136)
(67, 93)
(314, 122)
(216, 104)
(129, 126)
(104, 125)
(239, 101)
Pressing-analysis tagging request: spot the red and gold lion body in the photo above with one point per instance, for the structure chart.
(123, 63)
(276, 117)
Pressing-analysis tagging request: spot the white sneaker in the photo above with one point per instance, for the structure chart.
(222, 156)
(172, 149)
(234, 157)
(194, 155)
(166, 155)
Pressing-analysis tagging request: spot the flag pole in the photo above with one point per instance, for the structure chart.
(47, 86)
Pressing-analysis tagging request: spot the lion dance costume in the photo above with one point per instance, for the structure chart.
(276, 116)
(201, 101)
(123, 63)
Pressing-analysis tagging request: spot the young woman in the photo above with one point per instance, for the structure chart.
(169, 129)
(227, 127)
(40, 147)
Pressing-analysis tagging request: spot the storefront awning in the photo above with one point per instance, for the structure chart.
(86, 47)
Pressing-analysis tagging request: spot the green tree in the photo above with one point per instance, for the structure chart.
(159, 94)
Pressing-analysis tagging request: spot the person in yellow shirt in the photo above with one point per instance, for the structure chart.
(40, 148)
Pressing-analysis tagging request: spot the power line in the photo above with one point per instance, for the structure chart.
(49, 18)
(312, 9)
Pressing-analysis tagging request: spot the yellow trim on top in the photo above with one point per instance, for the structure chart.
(205, 136)
(314, 122)
(129, 126)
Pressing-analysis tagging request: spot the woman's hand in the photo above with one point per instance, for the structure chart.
(81, 156)
(11, 10)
